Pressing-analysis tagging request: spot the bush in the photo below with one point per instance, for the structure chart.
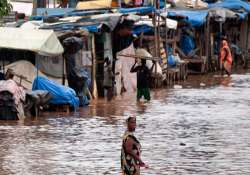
(5, 7)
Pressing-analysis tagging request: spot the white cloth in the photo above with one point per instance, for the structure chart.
(29, 71)
(43, 42)
(143, 52)
(123, 66)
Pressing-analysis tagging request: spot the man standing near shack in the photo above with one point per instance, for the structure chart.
(108, 79)
(226, 59)
(143, 77)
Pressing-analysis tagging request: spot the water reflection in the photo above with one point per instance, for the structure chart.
(200, 127)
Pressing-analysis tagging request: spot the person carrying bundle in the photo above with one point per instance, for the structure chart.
(143, 77)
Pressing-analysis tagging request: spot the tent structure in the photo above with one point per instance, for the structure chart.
(43, 42)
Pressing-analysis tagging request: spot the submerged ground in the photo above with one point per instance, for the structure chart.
(201, 127)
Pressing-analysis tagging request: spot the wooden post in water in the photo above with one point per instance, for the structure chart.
(221, 25)
(196, 3)
(155, 30)
(207, 42)
(247, 37)
(94, 86)
(34, 7)
(63, 70)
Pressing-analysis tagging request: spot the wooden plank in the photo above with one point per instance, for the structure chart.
(94, 85)
(151, 38)
(195, 60)
(140, 57)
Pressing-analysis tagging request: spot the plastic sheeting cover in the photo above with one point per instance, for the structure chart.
(43, 42)
(28, 71)
(187, 44)
(232, 4)
(61, 94)
(196, 18)
(137, 10)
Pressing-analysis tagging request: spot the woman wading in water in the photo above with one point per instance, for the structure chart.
(131, 151)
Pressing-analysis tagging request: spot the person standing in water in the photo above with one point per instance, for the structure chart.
(131, 151)
(108, 78)
(226, 59)
(143, 76)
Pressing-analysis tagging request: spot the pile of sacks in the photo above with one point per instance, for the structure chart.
(12, 98)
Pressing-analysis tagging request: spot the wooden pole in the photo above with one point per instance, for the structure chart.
(220, 23)
(37, 73)
(94, 86)
(34, 7)
(207, 40)
(196, 3)
(166, 37)
(140, 57)
(63, 70)
(3, 63)
(155, 35)
(247, 38)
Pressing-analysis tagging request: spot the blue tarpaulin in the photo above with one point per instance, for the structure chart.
(136, 10)
(86, 12)
(232, 4)
(187, 43)
(59, 12)
(92, 28)
(142, 29)
(195, 17)
(242, 15)
(60, 94)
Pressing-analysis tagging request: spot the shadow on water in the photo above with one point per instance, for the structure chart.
(199, 127)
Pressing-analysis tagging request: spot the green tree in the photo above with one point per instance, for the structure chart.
(5, 7)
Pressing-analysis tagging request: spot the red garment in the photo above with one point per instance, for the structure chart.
(225, 53)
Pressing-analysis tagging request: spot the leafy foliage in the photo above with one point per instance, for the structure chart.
(5, 7)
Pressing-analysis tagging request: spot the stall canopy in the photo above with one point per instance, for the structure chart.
(43, 42)
(93, 24)
(195, 17)
(232, 5)
(221, 14)
(137, 10)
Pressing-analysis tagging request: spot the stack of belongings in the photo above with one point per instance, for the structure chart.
(60, 95)
(35, 100)
(12, 98)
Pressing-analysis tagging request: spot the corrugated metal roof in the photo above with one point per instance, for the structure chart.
(31, 1)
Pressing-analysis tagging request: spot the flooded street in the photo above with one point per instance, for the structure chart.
(201, 127)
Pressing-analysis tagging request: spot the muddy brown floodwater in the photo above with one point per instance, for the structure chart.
(201, 127)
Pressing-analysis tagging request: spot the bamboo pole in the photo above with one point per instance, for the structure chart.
(207, 38)
(94, 86)
(34, 7)
(221, 25)
(63, 70)
(140, 57)
(247, 38)
(196, 3)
